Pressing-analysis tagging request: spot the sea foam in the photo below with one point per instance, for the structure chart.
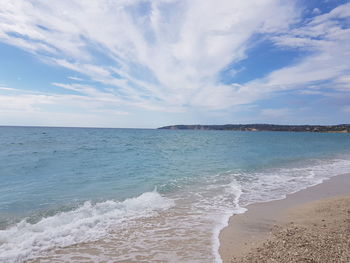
(89, 222)
(234, 189)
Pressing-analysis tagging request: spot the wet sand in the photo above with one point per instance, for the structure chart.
(311, 225)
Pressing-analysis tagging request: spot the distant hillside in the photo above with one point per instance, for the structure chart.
(341, 128)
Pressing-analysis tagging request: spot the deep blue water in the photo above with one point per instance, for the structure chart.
(47, 170)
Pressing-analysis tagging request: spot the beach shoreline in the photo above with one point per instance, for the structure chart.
(250, 231)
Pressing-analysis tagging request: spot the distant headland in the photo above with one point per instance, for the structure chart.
(341, 128)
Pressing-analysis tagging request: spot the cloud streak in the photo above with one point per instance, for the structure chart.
(156, 54)
(328, 40)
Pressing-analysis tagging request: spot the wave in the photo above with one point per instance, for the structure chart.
(202, 210)
(275, 184)
(89, 222)
(236, 191)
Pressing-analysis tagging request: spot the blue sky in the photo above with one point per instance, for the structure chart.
(125, 63)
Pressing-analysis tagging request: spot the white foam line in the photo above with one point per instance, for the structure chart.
(86, 223)
(326, 172)
(237, 191)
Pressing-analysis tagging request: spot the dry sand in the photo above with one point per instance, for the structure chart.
(312, 225)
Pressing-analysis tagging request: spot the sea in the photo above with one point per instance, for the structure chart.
(145, 195)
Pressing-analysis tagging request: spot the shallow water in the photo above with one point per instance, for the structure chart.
(145, 195)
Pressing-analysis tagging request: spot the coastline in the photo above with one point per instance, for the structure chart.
(340, 128)
(248, 231)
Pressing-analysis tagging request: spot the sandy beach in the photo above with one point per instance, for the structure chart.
(312, 225)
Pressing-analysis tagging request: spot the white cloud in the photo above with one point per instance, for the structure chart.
(163, 54)
(6, 88)
(276, 113)
(75, 78)
(32, 102)
(22, 103)
(316, 11)
(328, 40)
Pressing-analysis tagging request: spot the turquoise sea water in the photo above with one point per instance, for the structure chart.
(66, 186)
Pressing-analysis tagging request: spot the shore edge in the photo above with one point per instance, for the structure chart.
(251, 229)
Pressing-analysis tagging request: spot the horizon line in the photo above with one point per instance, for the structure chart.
(143, 128)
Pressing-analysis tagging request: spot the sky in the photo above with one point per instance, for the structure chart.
(146, 64)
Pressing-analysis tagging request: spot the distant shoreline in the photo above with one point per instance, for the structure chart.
(340, 128)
